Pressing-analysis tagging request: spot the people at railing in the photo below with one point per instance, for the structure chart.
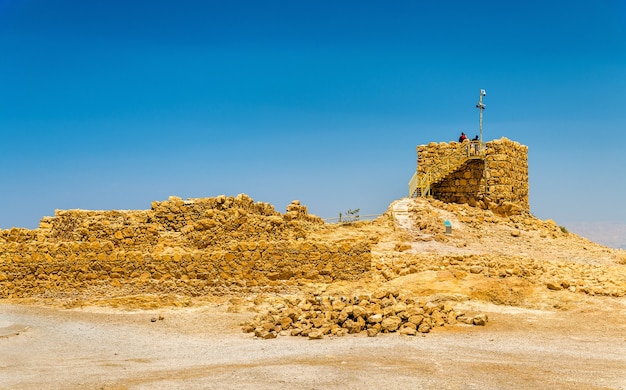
(476, 145)
(462, 139)
(473, 149)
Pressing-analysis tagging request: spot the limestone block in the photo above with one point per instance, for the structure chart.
(391, 324)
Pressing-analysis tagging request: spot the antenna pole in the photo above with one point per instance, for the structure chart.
(481, 107)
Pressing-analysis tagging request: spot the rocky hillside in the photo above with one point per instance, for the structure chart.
(420, 272)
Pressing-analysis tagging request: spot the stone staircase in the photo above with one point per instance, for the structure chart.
(420, 184)
(400, 212)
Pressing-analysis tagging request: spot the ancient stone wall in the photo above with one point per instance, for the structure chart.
(507, 172)
(463, 186)
(177, 246)
(498, 182)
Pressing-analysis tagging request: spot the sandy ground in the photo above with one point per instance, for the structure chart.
(203, 348)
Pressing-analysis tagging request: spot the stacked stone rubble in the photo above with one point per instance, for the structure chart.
(177, 246)
(381, 312)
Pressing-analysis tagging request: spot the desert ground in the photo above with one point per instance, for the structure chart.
(555, 304)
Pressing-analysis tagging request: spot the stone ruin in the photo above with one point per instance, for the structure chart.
(215, 245)
(498, 181)
(181, 246)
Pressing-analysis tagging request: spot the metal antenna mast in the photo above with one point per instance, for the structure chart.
(481, 107)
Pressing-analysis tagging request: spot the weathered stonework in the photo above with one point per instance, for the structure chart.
(498, 182)
(178, 246)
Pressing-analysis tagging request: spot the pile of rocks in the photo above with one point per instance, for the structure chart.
(383, 311)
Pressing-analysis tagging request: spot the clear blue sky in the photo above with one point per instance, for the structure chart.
(113, 104)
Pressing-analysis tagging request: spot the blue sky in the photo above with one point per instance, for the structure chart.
(113, 104)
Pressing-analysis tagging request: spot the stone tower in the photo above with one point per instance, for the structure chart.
(492, 176)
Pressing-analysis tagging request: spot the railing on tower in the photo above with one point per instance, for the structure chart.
(420, 184)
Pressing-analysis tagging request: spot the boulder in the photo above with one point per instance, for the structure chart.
(375, 318)
(316, 334)
(391, 324)
(264, 334)
(480, 319)
(554, 286)
(408, 331)
(424, 327)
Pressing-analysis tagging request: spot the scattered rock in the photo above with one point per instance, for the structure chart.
(375, 318)
(391, 324)
(554, 286)
(408, 331)
(480, 320)
(316, 335)
(465, 320)
(424, 327)
(264, 334)
(401, 247)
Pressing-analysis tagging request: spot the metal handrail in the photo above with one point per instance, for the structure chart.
(350, 220)
(414, 183)
(452, 161)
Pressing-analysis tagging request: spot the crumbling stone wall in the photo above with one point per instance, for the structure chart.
(177, 246)
(499, 182)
